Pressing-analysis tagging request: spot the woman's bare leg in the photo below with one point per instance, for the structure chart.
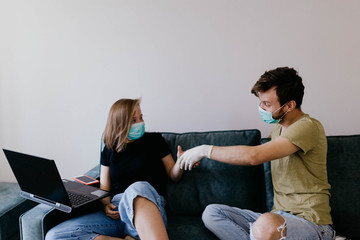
(148, 220)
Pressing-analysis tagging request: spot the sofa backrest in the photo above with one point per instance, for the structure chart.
(212, 181)
(269, 191)
(343, 162)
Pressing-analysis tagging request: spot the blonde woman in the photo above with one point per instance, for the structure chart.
(134, 167)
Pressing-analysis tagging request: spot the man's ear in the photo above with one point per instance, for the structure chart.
(292, 105)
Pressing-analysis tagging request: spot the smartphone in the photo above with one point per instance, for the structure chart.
(86, 180)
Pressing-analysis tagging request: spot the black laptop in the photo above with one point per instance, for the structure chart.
(40, 181)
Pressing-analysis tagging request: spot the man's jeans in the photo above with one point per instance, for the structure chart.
(234, 223)
(88, 226)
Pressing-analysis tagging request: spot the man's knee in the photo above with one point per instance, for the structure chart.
(210, 214)
(208, 211)
(269, 226)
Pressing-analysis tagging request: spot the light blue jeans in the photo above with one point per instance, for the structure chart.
(88, 226)
(234, 223)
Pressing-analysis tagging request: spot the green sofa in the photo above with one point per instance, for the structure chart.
(247, 187)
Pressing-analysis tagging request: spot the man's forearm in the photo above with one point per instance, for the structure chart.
(235, 155)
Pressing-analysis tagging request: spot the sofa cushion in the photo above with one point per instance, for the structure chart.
(188, 228)
(343, 162)
(212, 181)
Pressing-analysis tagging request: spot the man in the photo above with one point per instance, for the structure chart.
(297, 152)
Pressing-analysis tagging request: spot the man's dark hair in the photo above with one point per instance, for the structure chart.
(287, 82)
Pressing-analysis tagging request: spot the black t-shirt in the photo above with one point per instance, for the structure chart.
(139, 161)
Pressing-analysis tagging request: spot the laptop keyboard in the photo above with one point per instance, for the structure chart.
(78, 199)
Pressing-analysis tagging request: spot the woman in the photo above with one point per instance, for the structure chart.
(134, 167)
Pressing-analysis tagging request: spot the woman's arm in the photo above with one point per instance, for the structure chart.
(105, 184)
(172, 169)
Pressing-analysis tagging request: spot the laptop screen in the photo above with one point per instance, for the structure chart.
(38, 176)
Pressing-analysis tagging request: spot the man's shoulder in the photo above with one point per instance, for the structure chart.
(306, 132)
(305, 121)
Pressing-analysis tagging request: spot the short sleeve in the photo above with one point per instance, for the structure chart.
(161, 146)
(304, 134)
(105, 157)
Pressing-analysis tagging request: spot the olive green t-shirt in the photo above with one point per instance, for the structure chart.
(300, 180)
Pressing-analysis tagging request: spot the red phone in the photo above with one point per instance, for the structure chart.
(86, 180)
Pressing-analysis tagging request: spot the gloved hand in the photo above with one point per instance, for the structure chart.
(194, 155)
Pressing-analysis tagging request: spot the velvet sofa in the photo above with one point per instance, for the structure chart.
(247, 187)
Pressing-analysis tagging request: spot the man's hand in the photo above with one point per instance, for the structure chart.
(110, 212)
(192, 156)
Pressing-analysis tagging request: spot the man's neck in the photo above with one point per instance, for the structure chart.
(290, 118)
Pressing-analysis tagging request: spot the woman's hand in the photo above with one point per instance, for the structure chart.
(179, 152)
(105, 184)
(110, 212)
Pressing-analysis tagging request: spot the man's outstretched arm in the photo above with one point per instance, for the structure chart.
(239, 155)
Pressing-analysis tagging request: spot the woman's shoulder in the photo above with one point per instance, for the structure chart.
(153, 135)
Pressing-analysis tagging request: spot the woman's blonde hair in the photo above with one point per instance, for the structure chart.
(119, 122)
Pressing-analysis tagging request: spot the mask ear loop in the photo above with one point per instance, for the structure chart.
(281, 229)
(279, 120)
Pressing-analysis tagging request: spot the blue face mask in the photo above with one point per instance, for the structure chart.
(136, 131)
(267, 116)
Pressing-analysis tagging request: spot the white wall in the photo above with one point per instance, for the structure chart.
(64, 62)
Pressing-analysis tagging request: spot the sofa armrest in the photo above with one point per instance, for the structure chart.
(31, 222)
(35, 223)
(94, 172)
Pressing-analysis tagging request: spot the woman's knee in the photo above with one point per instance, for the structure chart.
(138, 191)
(139, 188)
(139, 185)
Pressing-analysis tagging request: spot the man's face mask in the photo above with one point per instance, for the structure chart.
(268, 116)
(136, 131)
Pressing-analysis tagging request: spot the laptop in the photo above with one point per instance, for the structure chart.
(40, 181)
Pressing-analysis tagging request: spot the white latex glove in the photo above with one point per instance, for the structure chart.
(194, 155)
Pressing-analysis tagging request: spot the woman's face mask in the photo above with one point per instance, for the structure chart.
(137, 130)
(268, 116)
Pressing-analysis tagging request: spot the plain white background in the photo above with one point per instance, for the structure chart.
(64, 62)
